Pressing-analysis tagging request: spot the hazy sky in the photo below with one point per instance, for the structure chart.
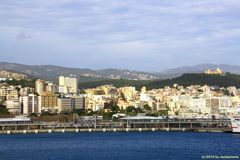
(148, 35)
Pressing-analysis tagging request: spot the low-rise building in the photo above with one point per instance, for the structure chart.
(14, 106)
(64, 104)
(72, 103)
(9, 92)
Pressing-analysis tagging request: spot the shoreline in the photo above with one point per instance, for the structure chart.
(77, 130)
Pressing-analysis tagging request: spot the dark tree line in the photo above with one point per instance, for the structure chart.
(115, 82)
(199, 79)
(22, 82)
(184, 80)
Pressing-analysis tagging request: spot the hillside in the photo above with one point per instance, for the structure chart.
(12, 75)
(184, 80)
(51, 72)
(199, 79)
(200, 68)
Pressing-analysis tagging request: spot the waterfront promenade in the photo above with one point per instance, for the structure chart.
(122, 125)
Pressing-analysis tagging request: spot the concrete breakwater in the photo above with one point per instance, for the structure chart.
(77, 130)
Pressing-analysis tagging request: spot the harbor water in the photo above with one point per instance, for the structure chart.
(119, 146)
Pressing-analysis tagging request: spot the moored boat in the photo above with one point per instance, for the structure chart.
(235, 125)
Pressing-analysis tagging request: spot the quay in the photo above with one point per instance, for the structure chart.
(72, 130)
(128, 124)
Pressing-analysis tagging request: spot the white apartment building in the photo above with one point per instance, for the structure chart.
(128, 92)
(13, 106)
(30, 104)
(68, 85)
(9, 92)
(198, 105)
(39, 86)
(45, 86)
(218, 105)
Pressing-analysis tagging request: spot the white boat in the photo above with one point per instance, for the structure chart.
(235, 125)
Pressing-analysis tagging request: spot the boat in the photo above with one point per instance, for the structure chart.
(235, 125)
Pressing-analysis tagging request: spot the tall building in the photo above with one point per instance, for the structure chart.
(68, 85)
(45, 86)
(30, 104)
(78, 103)
(50, 87)
(48, 101)
(39, 86)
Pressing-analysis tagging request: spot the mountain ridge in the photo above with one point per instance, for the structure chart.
(51, 72)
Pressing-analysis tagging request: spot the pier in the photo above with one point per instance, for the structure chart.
(136, 124)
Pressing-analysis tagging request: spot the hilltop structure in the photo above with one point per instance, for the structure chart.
(218, 71)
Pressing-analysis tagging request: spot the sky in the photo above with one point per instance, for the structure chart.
(144, 35)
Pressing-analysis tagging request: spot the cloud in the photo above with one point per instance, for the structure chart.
(100, 30)
(22, 36)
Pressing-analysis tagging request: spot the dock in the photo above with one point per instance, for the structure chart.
(123, 125)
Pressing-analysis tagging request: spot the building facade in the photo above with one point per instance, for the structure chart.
(73, 103)
(30, 104)
(14, 106)
(64, 104)
(48, 101)
(68, 85)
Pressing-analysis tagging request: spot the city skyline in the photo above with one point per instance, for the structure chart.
(119, 79)
(136, 35)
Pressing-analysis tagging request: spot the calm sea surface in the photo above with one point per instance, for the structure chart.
(118, 146)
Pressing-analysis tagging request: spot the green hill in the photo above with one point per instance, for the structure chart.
(184, 80)
(199, 79)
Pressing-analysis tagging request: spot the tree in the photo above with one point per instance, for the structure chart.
(82, 91)
(22, 82)
(152, 114)
(130, 109)
(33, 115)
(163, 113)
(138, 110)
(3, 111)
(147, 107)
(113, 106)
(177, 113)
(108, 115)
(80, 112)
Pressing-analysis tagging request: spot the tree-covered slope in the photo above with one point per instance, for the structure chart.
(184, 80)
